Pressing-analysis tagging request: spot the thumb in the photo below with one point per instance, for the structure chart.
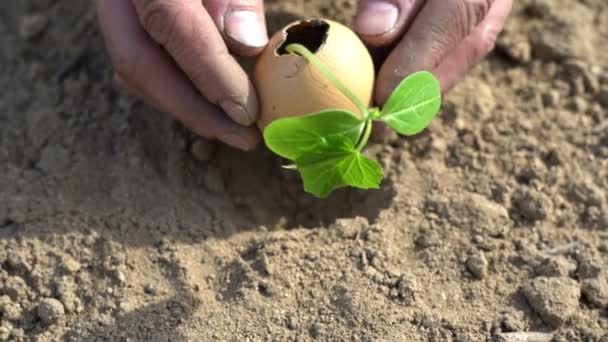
(383, 22)
(242, 24)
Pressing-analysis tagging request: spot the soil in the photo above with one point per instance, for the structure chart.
(116, 224)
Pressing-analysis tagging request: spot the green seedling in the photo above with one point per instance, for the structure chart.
(325, 147)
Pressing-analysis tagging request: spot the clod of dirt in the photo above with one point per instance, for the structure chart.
(6, 329)
(558, 266)
(530, 205)
(554, 299)
(595, 291)
(351, 228)
(571, 23)
(15, 288)
(586, 193)
(524, 337)
(516, 47)
(9, 310)
(478, 265)
(50, 310)
(588, 267)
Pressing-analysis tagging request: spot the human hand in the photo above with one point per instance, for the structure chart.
(446, 37)
(174, 54)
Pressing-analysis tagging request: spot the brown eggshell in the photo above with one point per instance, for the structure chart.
(288, 85)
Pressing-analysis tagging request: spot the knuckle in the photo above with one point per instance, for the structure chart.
(161, 19)
(472, 13)
(483, 45)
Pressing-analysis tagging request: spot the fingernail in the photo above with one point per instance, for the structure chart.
(236, 140)
(246, 27)
(376, 18)
(237, 112)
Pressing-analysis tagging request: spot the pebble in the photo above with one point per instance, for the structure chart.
(477, 265)
(50, 310)
(150, 289)
(551, 98)
(554, 299)
(32, 26)
(70, 265)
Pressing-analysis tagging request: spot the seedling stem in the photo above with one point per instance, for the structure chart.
(303, 51)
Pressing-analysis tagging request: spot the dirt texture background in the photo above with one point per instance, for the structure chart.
(116, 224)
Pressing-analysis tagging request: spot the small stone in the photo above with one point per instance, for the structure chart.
(120, 276)
(202, 150)
(70, 265)
(578, 104)
(551, 98)
(555, 300)
(9, 310)
(292, 322)
(150, 289)
(50, 310)
(32, 26)
(477, 265)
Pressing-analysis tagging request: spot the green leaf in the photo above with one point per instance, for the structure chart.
(292, 136)
(413, 104)
(331, 167)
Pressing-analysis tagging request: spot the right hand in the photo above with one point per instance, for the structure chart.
(174, 54)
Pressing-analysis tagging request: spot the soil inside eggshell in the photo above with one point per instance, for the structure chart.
(310, 33)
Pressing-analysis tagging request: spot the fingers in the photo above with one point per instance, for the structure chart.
(382, 22)
(437, 30)
(189, 35)
(241, 23)
(475, 47)
(147, 71)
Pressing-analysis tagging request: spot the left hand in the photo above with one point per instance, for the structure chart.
(445, 37)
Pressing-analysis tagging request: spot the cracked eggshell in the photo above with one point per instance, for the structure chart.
(288, 85)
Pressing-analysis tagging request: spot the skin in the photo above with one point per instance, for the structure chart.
(177, 55)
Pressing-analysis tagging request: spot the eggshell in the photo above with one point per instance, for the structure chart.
(288, 85)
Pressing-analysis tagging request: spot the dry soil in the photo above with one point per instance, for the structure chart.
(116, 224)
